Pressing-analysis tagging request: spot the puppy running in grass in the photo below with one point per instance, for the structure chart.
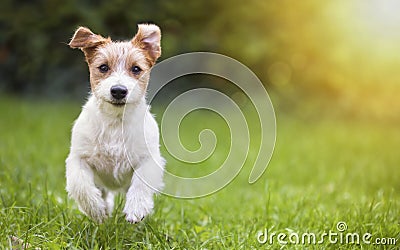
(115, 140)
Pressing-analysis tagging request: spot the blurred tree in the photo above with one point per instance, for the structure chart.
(308, 47)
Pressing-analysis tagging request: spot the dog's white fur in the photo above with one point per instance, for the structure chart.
(115, 149)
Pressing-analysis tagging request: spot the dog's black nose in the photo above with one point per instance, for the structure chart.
(119, 91)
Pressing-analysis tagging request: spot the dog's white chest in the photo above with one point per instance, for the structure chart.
(109, 158)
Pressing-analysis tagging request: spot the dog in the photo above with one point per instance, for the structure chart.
(115, 139)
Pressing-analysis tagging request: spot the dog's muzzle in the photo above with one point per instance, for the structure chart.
(119, 92)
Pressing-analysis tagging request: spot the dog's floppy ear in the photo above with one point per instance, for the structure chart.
(84, 38)
(148, 38)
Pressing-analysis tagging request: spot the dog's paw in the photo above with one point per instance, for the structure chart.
(137, 208)
(131, 218)
(95, 211)
(98, 214)
(93, 206)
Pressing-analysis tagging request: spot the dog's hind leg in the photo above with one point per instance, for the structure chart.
(108, 196)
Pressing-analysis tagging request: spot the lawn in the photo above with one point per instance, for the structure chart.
(323, 171)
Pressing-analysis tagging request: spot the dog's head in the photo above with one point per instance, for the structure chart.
(119, 71)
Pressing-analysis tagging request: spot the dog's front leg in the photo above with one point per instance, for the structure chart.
(81, 187)
(146, 180)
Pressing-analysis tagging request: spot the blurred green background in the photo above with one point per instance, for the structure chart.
(315, 57)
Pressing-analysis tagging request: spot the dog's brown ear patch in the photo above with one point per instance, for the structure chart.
(84, 38)
(148, 38)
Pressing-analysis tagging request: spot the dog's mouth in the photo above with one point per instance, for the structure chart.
(117, 104)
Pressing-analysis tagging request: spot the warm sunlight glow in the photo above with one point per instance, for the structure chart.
(381, 16)
(369, 28)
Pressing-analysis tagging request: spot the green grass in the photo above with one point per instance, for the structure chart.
(322, 172)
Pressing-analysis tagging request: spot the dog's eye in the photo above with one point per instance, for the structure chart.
(104, 68)
(136, 70)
